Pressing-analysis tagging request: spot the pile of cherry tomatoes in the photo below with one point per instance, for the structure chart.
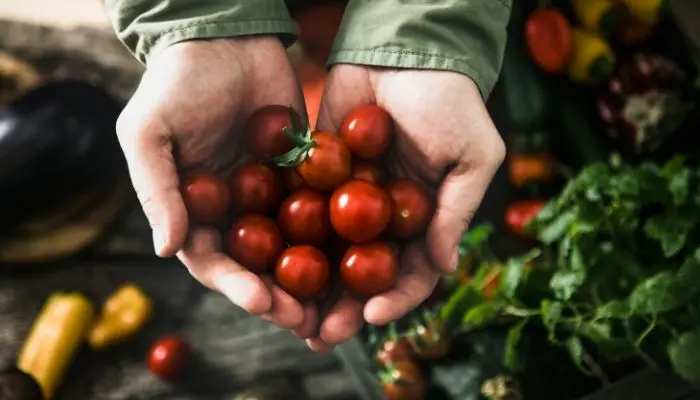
(311, 199)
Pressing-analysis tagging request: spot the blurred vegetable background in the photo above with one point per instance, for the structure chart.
(590, 275)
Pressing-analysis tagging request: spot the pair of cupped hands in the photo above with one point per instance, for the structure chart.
(188, 111)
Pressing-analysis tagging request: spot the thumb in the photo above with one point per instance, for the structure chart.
(458, 198)
(145, 141)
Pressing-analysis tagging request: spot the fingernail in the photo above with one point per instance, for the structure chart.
(158, 242)
(267, 317)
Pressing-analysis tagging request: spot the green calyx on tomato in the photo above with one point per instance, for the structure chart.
(302, 144)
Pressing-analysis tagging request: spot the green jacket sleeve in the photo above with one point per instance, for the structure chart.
(464, 36)
(149, 26)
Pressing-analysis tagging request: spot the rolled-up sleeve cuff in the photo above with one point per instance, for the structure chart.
(147, 27)
(463, 36)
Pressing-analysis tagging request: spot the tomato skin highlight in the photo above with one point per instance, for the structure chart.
(406, 382)
(255, 242)
(327, 164)
(367, 171)
(360, 210)
(206, 197)
(549, 39)
(255, 188)
(302, 271)
(520, 213)
(303, 218)
(367, 130)
(264, 131)
(167, 357)
(411, 208)
(369, 269)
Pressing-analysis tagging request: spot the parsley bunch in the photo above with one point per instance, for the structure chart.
(615, 276)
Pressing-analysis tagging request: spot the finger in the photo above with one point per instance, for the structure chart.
(203, 258)
(343, 321)
(145, 141)
(309, 326)
(346, 88)
(318, 345)
(286, 312)
(413, 286)
(458, 198)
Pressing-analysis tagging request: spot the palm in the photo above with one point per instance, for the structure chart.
(187, 114)
(444, 138)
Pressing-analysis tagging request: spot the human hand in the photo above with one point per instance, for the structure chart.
(445, 139)
(187, 113)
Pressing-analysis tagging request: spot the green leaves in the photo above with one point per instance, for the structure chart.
(670, 230)
(662, 292)
(482, 314)
(683, 352)
(510, 356)
(550, 312)
(567, 280)
(513, 273)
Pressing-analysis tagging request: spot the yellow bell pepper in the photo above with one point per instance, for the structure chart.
(124, 313)
(647, 11)
(52, 342)
(602, 16)
(592, 59)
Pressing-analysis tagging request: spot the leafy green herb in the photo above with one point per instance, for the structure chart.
(683, 352)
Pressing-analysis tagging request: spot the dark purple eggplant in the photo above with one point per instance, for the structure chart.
(17, 385)
(56, 142)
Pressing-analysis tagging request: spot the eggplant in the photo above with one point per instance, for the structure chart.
(57, 143)
(17, 385)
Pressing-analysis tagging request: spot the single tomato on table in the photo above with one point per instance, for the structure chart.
(255, 188)
(368, 171)
(206, 197)
(369, 269)
(303, 218)
(520, 213)
(302, 271)
(255, 242)
(264, 131)
(411, 208)
(367, 131)
(404, 380)
(167, 358)
(360, 210)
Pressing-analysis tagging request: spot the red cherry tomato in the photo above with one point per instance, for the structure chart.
(394, 350)
(327, 164)
(367, 131)
(302, 271)
(304, 218)
(292, 179)
(360, 210)
(255, 242)
(369, 269)
(255, 188)
(549, 39)
(167, 358)
(520, 213)
(405, 381)
(206, 197)
(411, 208)
(264, 131)
(367, 171)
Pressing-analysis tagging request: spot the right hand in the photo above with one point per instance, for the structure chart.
(187, 113)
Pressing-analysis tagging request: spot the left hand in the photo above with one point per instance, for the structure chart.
(445, 138)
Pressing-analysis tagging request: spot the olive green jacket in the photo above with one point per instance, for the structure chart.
(465, 36)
